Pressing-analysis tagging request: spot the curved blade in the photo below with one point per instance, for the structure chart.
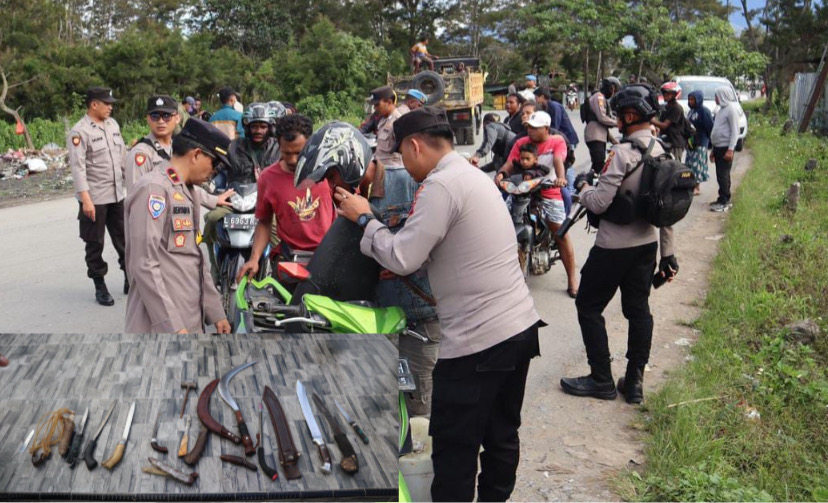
(316, 433)
(223, 388)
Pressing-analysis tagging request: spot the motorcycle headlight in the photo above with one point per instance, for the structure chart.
(243, 204)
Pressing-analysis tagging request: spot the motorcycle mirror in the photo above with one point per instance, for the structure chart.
(293, 270)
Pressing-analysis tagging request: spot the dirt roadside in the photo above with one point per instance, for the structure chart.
(571, 447)
(36, 187)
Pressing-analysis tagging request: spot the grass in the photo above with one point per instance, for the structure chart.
(713, 450)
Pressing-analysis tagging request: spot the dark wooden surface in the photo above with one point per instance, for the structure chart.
(48, 372)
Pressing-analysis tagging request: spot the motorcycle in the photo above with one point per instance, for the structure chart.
(537, 250)
(234, 241)
(571, 100)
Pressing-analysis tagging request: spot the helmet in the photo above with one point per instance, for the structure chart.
(279, 110)
(338, 145)
(608, 83)
(671, 87)
(258, 112)
(641, 97)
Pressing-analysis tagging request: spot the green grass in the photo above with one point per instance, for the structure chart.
(710, 450)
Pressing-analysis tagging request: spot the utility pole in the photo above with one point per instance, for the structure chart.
(816, 93)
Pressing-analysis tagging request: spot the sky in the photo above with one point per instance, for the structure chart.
(737, 18)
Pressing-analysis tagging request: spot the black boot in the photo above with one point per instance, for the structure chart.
(598, 383)
(102, 294)
(126, 285)
(632, 384)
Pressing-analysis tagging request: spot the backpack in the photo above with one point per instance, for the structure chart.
(666, 190)
(584, 110)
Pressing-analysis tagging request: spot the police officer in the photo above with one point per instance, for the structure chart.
(96, 157)
(171, 286)
(460, 228)
(624, 256)
(599, 122)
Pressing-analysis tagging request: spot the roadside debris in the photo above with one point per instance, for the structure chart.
(16, 164)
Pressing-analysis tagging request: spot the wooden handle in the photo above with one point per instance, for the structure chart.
(193, 457)
(325, 456)
(115, 458)
(247, 442)
(182, 448)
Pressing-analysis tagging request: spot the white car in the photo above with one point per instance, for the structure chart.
(708, 86)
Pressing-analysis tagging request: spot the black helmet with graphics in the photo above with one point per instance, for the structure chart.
(641, 97)
(337, 145)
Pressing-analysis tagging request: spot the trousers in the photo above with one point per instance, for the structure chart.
(108, 217)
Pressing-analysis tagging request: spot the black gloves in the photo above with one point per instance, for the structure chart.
(584, 178)
(668, 263)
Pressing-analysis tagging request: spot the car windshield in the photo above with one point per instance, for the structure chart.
(708, 88)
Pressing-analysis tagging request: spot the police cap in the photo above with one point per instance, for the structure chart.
(416, 121)
(382, 93)
(207, 137)
(99, 93)
(161, 103)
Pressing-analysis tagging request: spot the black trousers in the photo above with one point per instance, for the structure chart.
(476, 401)
(722, 173)
(597, 154)
(107, 217)
(605, 271)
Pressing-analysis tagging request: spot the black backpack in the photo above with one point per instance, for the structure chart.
(666, 190)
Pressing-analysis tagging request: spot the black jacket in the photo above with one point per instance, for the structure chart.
(243, 165)
(496, 139)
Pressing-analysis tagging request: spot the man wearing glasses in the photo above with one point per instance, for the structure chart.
(154, 150)
(96, 157)
(172, 291)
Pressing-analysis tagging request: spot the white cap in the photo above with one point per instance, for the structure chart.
(539, 119)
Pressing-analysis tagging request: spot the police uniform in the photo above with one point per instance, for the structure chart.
(624, 257)
(386, 140)
(171, 285)
(96, 155)
(597, 129)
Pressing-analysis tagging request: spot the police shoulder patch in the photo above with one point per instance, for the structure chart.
(609, 160)
(156, 205)
(140, 159)
(76, 140)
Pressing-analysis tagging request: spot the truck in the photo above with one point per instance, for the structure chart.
(460, 93)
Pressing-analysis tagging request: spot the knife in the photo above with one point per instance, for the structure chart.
(25, 443)
(224, 391)
(353, 423)
(315, 432)
(154, 440)
(89, 451)
(74, 451)
(349, 463)
(113, 460)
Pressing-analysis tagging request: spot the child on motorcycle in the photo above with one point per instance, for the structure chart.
(528, 163)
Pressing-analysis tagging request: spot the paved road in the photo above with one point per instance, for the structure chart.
(44, 288)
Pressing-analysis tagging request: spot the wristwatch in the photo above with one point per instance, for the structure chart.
(363, 219)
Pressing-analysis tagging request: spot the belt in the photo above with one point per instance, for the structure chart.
(288, 453)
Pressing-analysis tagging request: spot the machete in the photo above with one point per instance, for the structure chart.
(315, 432)
(224, 391)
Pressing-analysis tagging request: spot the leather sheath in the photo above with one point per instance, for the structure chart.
(207, 419)
(288, 453)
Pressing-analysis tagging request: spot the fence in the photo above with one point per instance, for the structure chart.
(801, 89)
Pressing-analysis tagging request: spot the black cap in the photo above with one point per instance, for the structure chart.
(161, 103)
(226, 92)
(100, 93)
(207, 137)
(416, 121)
(382, 93)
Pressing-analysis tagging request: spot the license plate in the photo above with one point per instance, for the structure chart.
(242, 222)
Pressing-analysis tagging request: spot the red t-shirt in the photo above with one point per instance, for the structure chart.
(303, 216)
(554, 146)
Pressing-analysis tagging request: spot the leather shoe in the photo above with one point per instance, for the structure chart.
(589, 386)
(102, 293)
(632, 385)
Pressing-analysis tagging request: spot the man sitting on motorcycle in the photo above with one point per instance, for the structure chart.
(248, 156)
(303, 215)
(552, 151)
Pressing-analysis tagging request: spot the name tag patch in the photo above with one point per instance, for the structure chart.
(156, 205)
(181, 210)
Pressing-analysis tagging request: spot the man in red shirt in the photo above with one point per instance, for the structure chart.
(303, 215)
(552, 153)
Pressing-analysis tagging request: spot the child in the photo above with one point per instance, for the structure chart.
(529, 162)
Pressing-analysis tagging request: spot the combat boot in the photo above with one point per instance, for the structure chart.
(102, 293)
(598, 383)
(632, 384)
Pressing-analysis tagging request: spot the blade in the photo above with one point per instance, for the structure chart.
(83, 421)
(347, 417)
(105, 419)
(316, 433)
(155, 428)
(323, 409)
(26, 442)
(223, 388)
(129, 422)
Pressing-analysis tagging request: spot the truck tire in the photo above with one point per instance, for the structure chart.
(431, 84)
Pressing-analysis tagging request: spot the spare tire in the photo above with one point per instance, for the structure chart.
(431, 84)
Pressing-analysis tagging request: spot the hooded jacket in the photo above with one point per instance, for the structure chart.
(726, 125)
(244, 165)
(702, 120)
